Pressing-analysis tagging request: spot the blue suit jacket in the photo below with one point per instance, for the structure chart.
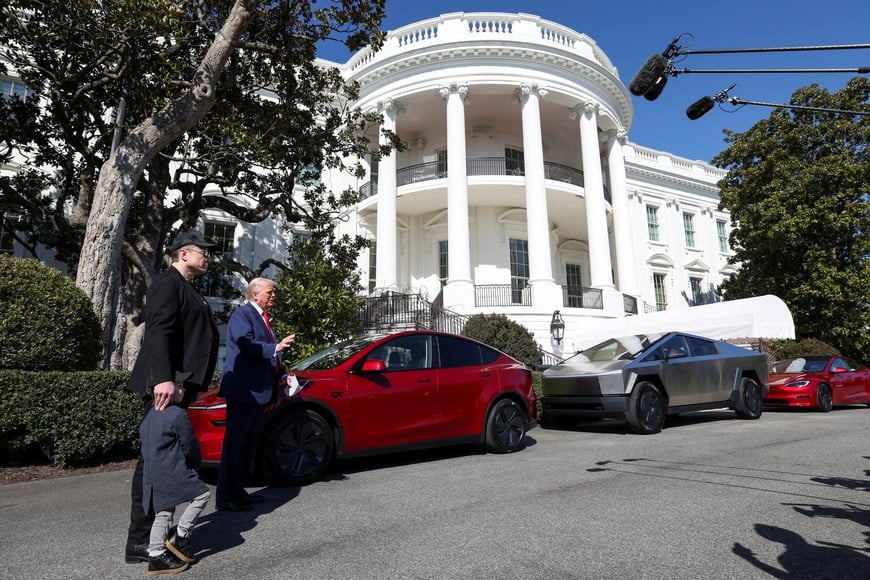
(249, 371)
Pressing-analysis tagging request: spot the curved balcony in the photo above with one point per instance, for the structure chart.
(480, 166)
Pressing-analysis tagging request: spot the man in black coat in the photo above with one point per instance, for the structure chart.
(181, 340)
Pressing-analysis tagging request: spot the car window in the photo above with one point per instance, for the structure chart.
(334, 355)
(623, 347)
(458, 352)
(411, 352)
(671, 348)
(799, 365)
(701, 347)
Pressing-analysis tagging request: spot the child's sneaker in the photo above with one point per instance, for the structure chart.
(181, 547)
(165, 563)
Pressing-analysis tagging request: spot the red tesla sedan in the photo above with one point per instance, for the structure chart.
(819, 382)
(379, 394)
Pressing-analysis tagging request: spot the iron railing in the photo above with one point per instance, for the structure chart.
(479, 166)
(486, 295)
(393, 311)
(582, 297)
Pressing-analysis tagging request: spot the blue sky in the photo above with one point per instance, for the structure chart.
(630, 31)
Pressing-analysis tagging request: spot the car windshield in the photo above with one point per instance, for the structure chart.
(799, 365)
(620, 348)
(332, 356)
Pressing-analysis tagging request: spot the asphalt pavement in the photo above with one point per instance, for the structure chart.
(711, 496)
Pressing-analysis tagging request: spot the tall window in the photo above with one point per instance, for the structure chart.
(442, 261)
(697, 294)
(514, 161)
(652, 222)
(373, 266)
(660, 287)
(441, 158)
(519, 256)
(9, 88)
(575, 285)
(722, 233)
(7, 242)
(373, 165)
(217, 280)
(689, 229)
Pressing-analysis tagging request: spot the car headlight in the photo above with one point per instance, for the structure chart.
(798, 384)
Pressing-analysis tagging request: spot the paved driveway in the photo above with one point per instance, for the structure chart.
(710, 497)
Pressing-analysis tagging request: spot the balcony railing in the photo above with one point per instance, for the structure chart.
(582, 297)
(502, 295)
(477, 167)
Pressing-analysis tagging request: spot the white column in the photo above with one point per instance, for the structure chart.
(593, 186)
(459, 291)
(625, 269)
(545, 293)
(387, 249)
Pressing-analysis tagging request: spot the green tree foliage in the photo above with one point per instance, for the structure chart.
(46, 322)
(242, 124)
(510, 337)
(782, 349)
(797, 190)
(317, 297)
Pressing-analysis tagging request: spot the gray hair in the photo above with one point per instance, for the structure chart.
(256, 285)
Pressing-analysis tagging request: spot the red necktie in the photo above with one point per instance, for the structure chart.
(277, 356)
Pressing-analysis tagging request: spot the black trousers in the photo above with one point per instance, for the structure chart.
(237, 452)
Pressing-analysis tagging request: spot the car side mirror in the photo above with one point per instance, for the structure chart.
(373, 365)
(839, 370)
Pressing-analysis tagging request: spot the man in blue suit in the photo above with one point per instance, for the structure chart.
(251, 374)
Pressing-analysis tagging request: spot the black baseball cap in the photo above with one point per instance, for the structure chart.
(190, 238)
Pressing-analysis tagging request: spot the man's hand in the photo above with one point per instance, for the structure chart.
(285, 342)
(163, 394)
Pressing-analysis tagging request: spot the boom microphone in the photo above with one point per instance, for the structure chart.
(656, 89)
(649, 73)
(700, 108)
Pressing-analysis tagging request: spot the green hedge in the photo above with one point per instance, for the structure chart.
(46, 321)
(72, 417)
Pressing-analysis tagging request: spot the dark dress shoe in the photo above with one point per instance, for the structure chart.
(250, 499)
(136, 553)
(165, 563)
(232, 506)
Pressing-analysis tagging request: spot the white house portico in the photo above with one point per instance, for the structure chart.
(518, 191)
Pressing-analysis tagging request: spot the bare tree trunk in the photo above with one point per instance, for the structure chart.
(99, 266)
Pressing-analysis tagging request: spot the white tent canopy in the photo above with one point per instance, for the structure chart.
(749, 319)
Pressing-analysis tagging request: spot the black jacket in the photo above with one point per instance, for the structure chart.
(180, 339)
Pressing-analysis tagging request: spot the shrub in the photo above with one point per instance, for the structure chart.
(510, 337)
(70, 417)
(46, 322)
(783, 349)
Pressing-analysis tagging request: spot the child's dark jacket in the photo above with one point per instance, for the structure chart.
(171, 454)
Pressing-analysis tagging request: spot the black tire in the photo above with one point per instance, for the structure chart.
(749, 399)
(505, 427)
(646, 409)
(824, 398)
(297, 449)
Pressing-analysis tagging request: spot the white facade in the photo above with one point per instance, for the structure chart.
(518, 191)
(517, 157)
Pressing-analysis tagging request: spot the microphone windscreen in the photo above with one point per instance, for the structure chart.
(656, 89)
(699, 108)
(653, 68)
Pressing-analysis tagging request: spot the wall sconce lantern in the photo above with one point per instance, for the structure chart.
(557, 327)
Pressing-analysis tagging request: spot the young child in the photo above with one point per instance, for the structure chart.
(171, 454)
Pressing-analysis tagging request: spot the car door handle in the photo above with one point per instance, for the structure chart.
(485, 375)
(425, 381)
